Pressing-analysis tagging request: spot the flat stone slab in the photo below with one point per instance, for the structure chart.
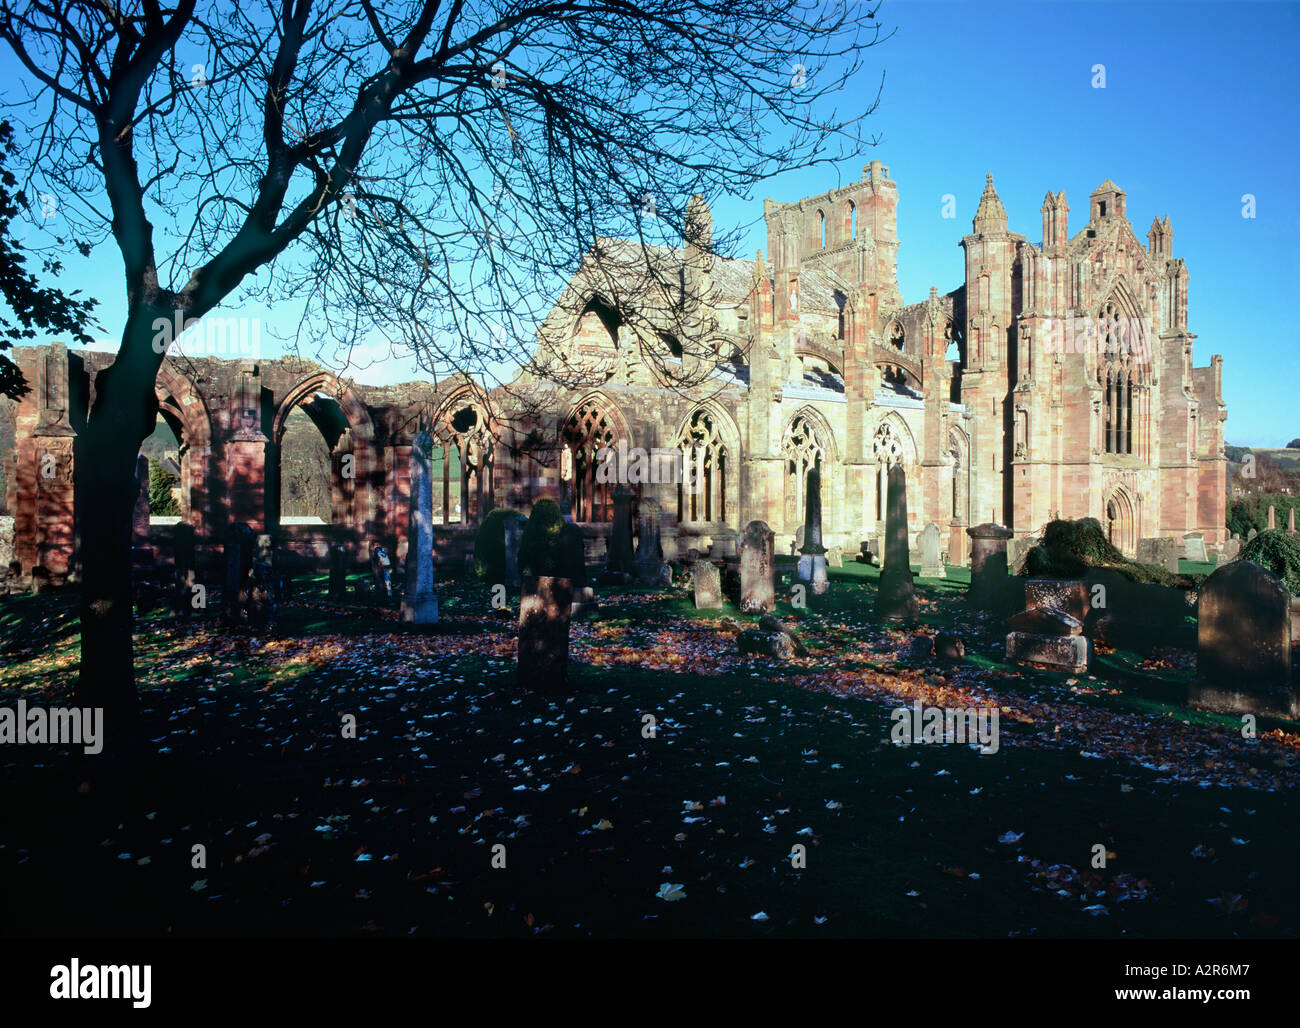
(1066, 595)
(1045, 621)
(1067, 652)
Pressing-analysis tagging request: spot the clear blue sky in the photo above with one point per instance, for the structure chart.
(1199, 108)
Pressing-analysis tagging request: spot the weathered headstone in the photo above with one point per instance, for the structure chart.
(1018, 550)
(419, 602)
(757, 586)
(812, 562)
(1050, 629)
(1272, 517)
(958, 545)
(931, 567)
(1194, 548)
(649, 560)
(1251, 535)
(513, 532)
(835, 557)
(545, 608)
(988, 564)
(620, 537)
(708, 585)
(1290, 521)
(1229, 551)
(1243, 636)
(896, 598)
(1161, 552)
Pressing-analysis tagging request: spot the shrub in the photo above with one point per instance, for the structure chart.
(550, 546)
(1069, 549)
(490, 545)
(1280, 553)
(161, 501)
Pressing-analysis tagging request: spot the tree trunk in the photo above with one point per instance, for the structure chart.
(122, 414)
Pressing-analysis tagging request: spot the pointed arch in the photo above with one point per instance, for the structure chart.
(807, 443)
(463, 436)
(180, 401)
(709, 442)
(593, 423)
(1120, 519)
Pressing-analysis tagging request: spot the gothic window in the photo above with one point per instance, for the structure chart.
(702, 491)
(887, 448)
(461, 466)
(803, 451)
(588, 431)
(1125, 394)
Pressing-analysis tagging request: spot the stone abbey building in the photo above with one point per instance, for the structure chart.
(1055, 381)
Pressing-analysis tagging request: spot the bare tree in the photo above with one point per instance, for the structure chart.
(429, 171)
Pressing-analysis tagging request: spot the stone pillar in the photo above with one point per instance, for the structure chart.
(338, 572)
(757, 588)
(419, 603)
(237, 582)
(896, 599)
(988, 564)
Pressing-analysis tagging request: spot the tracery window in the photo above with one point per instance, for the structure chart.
(1126, 395)
(461, 465)
(887, 449)
(588, 431)
(702, 490)
(803, 451)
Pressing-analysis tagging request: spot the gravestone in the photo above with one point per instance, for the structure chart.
(757, 586)
(835, 557)
(1229, 552)
(1017, 551)
(620, 536)
(649, 561)
(1243, 636)
(184, 566)
(513, 531)
(545, 609)
(1272, 517)
(1050, 628)
(1290, 521)
(896, 598)
(708, 585)
(419, 602)
(724, 544)
(1251, 535)
(812, 562)
(1161, 552)
(1194, 547)
(931, 566)
(988, 564)
(338, 572)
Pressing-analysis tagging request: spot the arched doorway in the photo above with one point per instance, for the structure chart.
(1120, 522)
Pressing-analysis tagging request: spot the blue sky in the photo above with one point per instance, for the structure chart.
(1198, 109)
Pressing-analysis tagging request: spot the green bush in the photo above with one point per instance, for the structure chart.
(1069, 549)
(1280, 553)
(490, 545)
(551, 547)
(161, 501)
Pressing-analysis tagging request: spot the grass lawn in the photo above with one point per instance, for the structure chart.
(393, 833)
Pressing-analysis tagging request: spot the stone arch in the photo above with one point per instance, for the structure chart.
(807, 442)
(463, 436)
(1119, 519)
(959, 454)
(709, 434)
(593, 423)
(180, 400)
(353, 460)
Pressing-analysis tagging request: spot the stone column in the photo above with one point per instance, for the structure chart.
(419, 603)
